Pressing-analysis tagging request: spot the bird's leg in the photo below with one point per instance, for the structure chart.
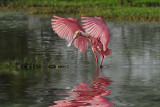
(95, 56)
(97, 73)
(101, 62)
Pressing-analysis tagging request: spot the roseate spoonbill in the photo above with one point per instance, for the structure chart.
(93, 30)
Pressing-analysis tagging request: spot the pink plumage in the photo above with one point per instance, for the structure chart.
(93, 30)
(66, 27)
(98, 28)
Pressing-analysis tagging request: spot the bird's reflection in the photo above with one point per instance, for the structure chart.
(89, 95)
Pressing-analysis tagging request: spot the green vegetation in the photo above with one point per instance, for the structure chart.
(20, 64)
(139, 3)
(27, 64)
(134, 10)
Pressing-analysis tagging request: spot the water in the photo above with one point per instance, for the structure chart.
(133, 66)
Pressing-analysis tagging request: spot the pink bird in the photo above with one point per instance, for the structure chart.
(93, 30)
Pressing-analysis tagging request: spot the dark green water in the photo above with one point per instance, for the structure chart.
(134, 66)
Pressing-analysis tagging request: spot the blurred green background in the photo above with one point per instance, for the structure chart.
(133, 10)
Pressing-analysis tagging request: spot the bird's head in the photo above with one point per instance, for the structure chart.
(76, 35)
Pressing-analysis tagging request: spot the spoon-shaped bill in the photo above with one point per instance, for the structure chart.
(70, 43)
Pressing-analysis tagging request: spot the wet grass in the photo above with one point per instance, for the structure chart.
(27, 64)
(132, 10)
(20, 64)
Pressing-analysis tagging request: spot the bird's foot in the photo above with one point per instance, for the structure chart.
(101, 66)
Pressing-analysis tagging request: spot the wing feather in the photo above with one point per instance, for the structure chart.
(66, 28)
(97, 28)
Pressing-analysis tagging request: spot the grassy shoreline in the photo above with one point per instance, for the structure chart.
(118, 13)
(142, 11)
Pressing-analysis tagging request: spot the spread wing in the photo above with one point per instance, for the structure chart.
(66, 28)
(97, 28)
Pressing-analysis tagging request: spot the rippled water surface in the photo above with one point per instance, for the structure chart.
(133, 67)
